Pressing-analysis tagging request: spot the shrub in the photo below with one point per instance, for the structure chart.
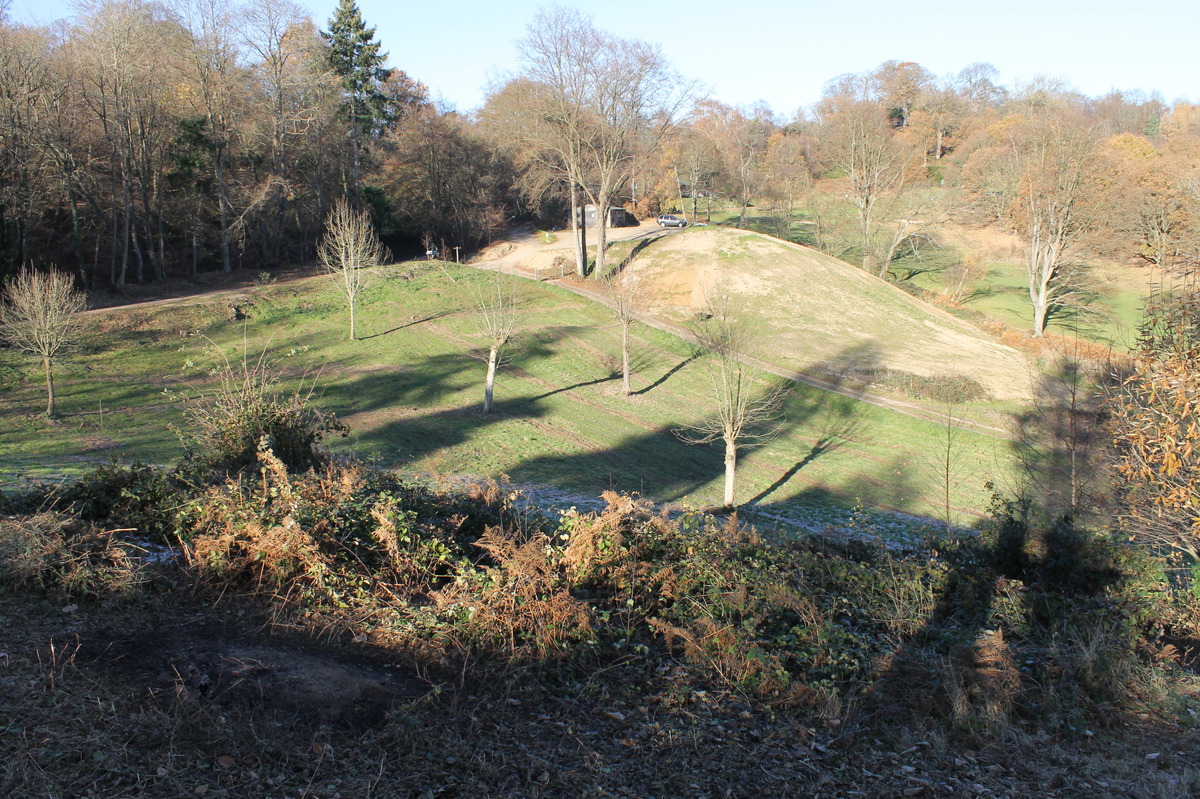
(59, 555)
(134, 497)
(248, 410)
(945, 388)
(521, 606)
(345, 535)
(1153, 423)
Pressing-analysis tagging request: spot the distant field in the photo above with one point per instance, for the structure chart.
(410, 392)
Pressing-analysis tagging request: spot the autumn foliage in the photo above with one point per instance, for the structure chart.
(1156, 424)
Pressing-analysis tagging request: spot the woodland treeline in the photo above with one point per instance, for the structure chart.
(140, 140)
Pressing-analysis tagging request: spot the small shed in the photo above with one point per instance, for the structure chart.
(617, 217)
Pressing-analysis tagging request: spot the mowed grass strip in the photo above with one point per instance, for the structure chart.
(411, 391)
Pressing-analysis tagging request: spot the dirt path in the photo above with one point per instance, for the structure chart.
(191, 293)
(520, 252)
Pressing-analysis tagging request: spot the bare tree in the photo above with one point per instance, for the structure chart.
(601, 98)
(864, 151)
(41, 318)
(696, 161)
(1057, 439)
(1056, 163)
(1043, 178)
(740, 415)
(788, 176)
(495, 306)
(740, 137)
(295, 97)
(350, 246)
(944, 462)
(907, 220)
(626, 301)
(213, 58)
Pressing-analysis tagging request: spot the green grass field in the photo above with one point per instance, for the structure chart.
(411, 392)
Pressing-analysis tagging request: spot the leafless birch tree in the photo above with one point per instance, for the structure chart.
(349, 248)
(740, 415)
(495, 307)
(626, 301)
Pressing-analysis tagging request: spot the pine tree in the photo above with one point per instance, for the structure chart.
(354, 57)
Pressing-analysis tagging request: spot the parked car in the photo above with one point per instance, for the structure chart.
(666, 220)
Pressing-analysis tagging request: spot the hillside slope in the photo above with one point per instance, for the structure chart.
(821, 315)
(410, 390)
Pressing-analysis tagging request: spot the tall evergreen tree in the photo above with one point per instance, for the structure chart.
(354, 57)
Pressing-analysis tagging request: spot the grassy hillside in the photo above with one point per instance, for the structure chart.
(820, 315)
(410, 392)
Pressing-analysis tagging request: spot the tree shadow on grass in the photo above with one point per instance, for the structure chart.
(582, 384)
(1024, 622)
(628, 259)
(667, 375)
(825, 444)
(1019, 624)
(429, 318)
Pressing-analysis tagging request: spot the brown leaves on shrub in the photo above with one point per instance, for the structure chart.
(66, 558)
(237, 536)
(525, 608)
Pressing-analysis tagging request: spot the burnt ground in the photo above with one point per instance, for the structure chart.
(205, 697)
(197, 661)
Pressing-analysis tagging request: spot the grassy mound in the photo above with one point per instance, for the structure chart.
(821, 315)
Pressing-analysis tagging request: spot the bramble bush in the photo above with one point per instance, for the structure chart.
(249, 410)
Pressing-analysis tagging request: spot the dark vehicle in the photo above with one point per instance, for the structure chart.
(666, 220)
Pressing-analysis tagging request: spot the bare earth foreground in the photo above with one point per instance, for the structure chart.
(193, 700)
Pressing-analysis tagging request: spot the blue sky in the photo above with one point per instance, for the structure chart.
(784, 52)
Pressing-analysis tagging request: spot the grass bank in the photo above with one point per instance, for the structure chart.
(411, 389)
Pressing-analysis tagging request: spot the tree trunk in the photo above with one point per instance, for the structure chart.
(864, 218)
(1042, 269)
(601, 237)
(625, 389)
(1041, 310)
(357, 176)
(116, 240)
(730, 470)
(493, 357)
(77, 233)
(49, 385)
(352, 319)
(126, 227)
(223, 208)
(137, 253)
(579, 233)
